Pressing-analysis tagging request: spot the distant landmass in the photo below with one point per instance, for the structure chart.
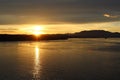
(95, 34)
(82, 34)
(7, 37)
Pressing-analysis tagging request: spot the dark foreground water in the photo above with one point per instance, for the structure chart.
(73, 59)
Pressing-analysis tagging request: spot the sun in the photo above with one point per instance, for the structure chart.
(36, 33)
(37, 30)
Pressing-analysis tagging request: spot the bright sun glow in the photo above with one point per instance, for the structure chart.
(37, 30)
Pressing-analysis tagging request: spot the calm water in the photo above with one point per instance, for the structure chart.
(73, 59)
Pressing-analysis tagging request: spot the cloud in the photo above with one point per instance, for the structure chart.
(107, 15)
(8, 30)
(58, 11)
(111, 16)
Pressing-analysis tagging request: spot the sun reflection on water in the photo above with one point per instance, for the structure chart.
(36, 71)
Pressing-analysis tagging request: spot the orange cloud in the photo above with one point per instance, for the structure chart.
(110, 16)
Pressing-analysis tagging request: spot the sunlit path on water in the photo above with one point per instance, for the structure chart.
(36, 71)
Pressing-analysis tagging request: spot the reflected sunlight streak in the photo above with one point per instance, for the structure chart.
(36, 73)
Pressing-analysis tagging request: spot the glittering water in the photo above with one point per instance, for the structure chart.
(73, 59)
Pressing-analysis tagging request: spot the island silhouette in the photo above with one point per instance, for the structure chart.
(82, 34)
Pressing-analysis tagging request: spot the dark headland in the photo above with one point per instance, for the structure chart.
(82, 34)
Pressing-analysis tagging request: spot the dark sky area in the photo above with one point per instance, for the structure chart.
(58, 11)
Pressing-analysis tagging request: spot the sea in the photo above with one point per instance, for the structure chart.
(72, 59)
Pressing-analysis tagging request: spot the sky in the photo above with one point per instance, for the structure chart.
(59, 16)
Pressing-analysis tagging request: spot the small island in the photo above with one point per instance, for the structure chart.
(82, 34)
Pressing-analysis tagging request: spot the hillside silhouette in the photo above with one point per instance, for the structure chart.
(95, 34)
(82, 34)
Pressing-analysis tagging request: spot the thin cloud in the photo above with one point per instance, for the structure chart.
(110, 16)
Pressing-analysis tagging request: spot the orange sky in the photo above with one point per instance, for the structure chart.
(58, 28)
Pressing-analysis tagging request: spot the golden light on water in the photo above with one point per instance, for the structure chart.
(36, 71)
(37, 54)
